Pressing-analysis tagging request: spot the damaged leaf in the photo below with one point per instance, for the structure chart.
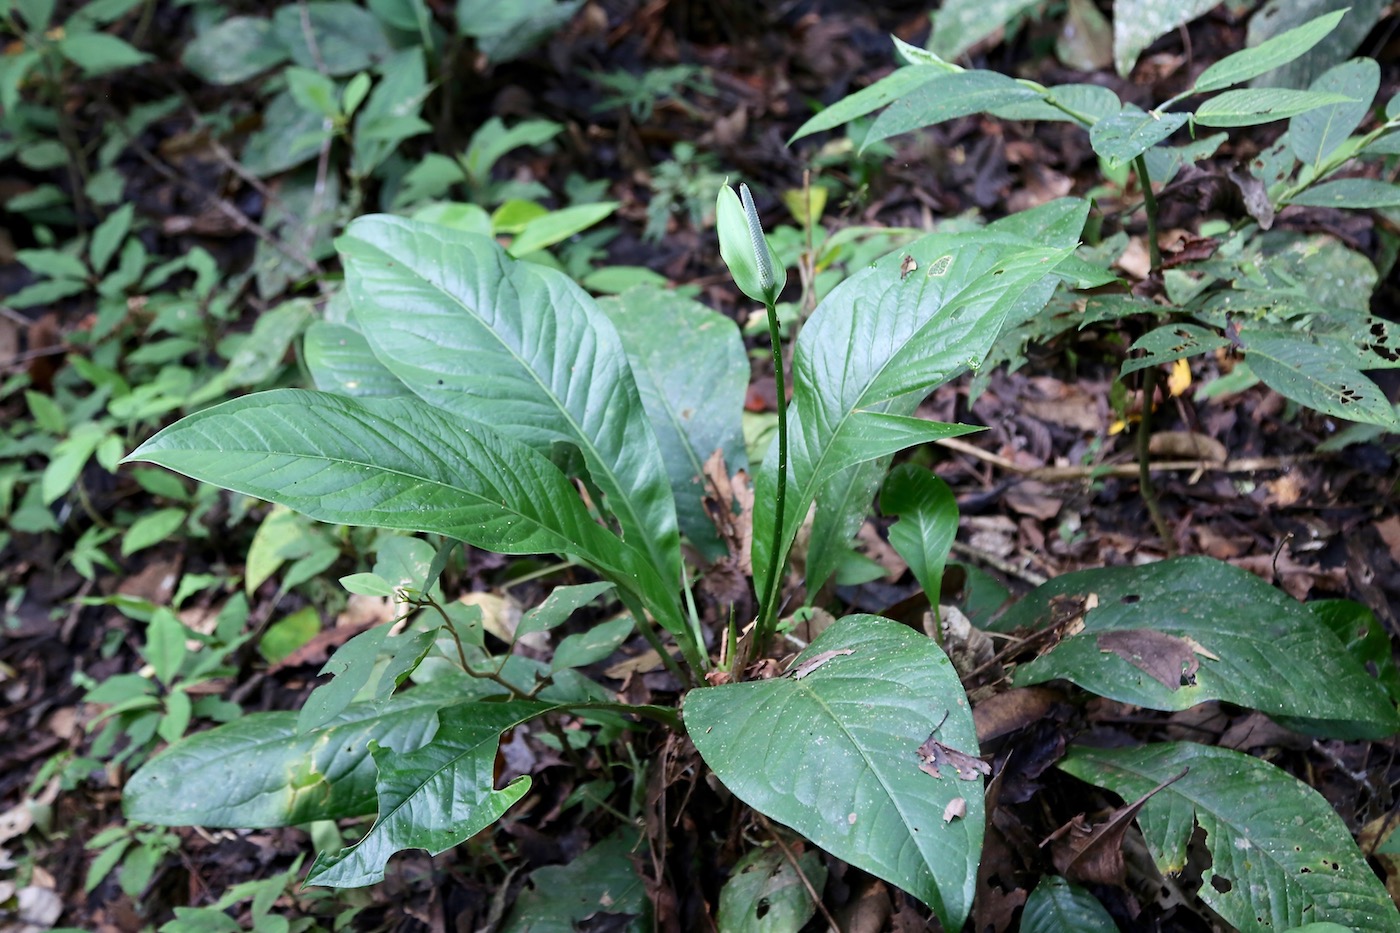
(1094, 854)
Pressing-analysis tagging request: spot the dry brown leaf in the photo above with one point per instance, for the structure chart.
(934, 755)
(955, 810)
(1017, 708)
(1167, 659)
(1094, 854)
(1186, 445)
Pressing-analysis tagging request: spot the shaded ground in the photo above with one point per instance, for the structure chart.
(1320, 526)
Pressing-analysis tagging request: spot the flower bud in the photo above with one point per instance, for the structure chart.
(745, 250)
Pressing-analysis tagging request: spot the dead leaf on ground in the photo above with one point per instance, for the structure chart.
(1088, 854)
(1167, 659)
(1017, 708)
(1033, 498)
(722, 494)
(816, 661)
(934, 755)
(968, 648)
(1186, 445)
(955, 810)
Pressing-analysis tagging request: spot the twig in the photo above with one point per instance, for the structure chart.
(997, 563)
(1061, 474)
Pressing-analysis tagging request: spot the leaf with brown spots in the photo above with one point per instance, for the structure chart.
(1167, 659)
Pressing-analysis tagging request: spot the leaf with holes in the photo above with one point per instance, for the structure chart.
(834, 754)
(1280, 855)
(1170, 343)
(1321, 376)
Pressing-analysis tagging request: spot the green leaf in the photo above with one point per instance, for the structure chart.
(341, 361)
(516, 346)
(948, 96)
(313, 91)
(834, 754)
(37, 13)
(258, 771)
(1277, 16)
(1314, 135)
(52, 263)
(561, 603)
(98, 53)
(1363, 635)
(367, 584)
(692, 374)
(1280, 854)
(391, 114)
(69, 457)
(559, 225)
(108, 236)
(596, 644)
(1267, 55)
(1318, 375)
(1056, 906)
(399, 463)
(1255, 105)
(165, 644)
(239, 48)
(286, 139)
(876, 346)
(151, 528)
(598, 883)
(1352, 193)
(927, 524)
(765, 892)
(888, 89)
(960, 24)
(1169, 343)
(287, 634)
(504, 32)
(493, 139)
(1123, 136)
(348, 37)
(435, 797)
(1255, 645)
(1139, 23)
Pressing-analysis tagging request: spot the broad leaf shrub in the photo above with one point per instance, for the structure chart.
(478, 397)
(1295, 306)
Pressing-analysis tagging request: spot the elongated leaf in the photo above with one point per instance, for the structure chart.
(1314, 135)
(341, 361)
(956, 94)
(557, 226)
(397, 463)
(928, 522)
(1131, 132)
(1171, 342)
(1280, 855)
(888, 89)
(1278, 16)
(960, 24)
(259, 771)
(434, 797)
(1056, 906)
(878, 344)
(517, 346)
(1318, 375)
(692, 374)
(1267, 55)
(835, 755)
(1255, 105)
(1255, 645)
(1351, 192)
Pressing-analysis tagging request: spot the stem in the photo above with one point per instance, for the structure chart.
(769, 607)
(645, 626)
(1149, 202)
(1149, 381)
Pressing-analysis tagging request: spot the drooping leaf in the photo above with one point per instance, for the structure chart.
(955, 94)
(1255, 645)
(877, 345)
(831, 750)
(341, 361)
(1169, 343)
(595, 644)
(1123, 136)
(1278, 16)
(927, 525)
(1352, 193)
(1251, 106)
(398, 463)
(1280, 854)
(1315, 134)
(1266, 56)
(259, 771)
(692, 374)
(1139, 23)
(562, 602)
(1056, 906)
(519, 347)
(1318, 375)
(869, 99)
(435, 796)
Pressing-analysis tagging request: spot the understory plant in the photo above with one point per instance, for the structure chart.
(484, 399)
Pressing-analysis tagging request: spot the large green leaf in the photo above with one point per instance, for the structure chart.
(951, 95)
(832, 750)
(517, 346)
(1255, 645)
(878, 344)
(259, 771)
(1266, 56)
(1123, 136)
(1322, 376)
(434, 797)
(888, 89)
(1314, 135)
(960, 24)
(692, 373)
(1139, 23)
(1351, 192)
(1278, 16)
(1056, 906)
(341, 361)
(399, 463)
(1255, 105)
(1280, 854)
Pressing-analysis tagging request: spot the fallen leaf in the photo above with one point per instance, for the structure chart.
(1186, 445)
(956, 810)
(816, 661)
(1094, 854)
(1017, 708)
(1167, 659)
(933, 755)
(1179, 379)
